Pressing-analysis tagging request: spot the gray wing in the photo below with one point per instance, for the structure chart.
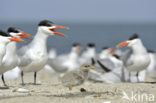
(56, 64)
(100, 70)
(107, 63)
(126, 57)
(129, 62)
(22, 51)
(24, 59)
(99, 66)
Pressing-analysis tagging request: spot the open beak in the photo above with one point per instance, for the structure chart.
(16, 39)
(25, 35)
(123, 44)
(91, 67)
(58, 27)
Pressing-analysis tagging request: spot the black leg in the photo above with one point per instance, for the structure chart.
(22, 74)
(137, 75)
(35, 75)
(3, 80)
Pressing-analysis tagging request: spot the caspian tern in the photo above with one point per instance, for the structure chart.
(33, 56)
(139, 58)
(10, 60)
(5, 38)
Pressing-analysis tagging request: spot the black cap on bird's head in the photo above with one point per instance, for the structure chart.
(77, 47)
(75, 44)
(13, 30)
(105, 48)
(11, 38)
(151, 51)
(134, 36)
(91, 45)
(2, 33)
(129, 41)
(50, 27)
(46, 23)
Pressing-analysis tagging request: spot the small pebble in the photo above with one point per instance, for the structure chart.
(83, 90)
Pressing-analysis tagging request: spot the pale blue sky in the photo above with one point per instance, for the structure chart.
(78, 10)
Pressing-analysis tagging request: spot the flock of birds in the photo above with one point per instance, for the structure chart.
(112, 65)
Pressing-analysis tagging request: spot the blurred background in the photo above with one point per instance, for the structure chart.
(104, 22)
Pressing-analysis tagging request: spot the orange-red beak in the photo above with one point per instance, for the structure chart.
(123, 44)
(25, 35)
(58, 27)
(91, 67)
(16, 39)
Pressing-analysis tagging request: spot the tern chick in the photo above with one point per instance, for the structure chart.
(76, 77)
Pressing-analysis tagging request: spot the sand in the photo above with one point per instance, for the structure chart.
(50, 90)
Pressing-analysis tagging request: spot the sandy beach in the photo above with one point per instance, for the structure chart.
(50, 90)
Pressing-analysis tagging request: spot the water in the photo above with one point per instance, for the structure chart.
(101, 34)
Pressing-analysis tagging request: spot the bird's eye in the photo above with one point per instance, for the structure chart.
(87, 66)
(16, 31)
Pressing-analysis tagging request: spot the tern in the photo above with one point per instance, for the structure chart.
(10, 59)
(67, 62)
(88, 54)
(5, 39)
(111, 65)
(33, 56)
(139, 59)
(151, 70)
(106, 52)
(76, 77)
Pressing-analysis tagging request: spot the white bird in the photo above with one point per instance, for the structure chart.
(106, 52)
(88, 54)
(139, 59)
(52, 53)
(113, 70)
(10, 59)
(106, 60)
(151, 70)
(5, 38)
(12, 74)
(109, 59)
(33, 56)
(67, 62)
